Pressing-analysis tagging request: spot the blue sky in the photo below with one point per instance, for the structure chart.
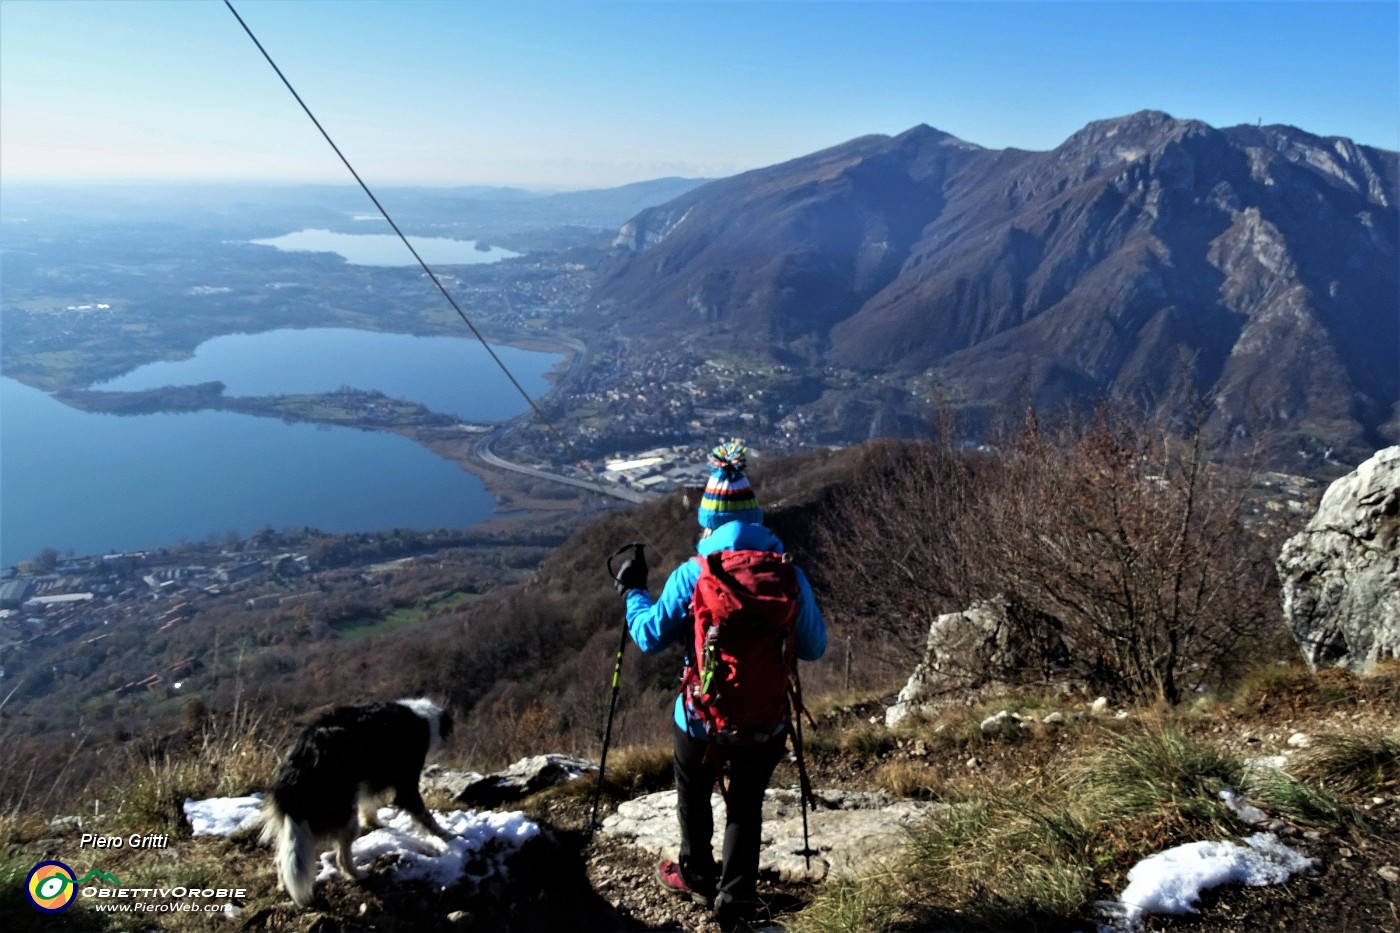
(592, 94)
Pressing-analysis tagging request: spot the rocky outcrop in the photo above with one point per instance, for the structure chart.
(850, 832)
(965, 651)
(527, 776)
(1341, 575)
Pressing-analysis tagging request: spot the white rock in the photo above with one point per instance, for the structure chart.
(995, 723)
(1245, 811)
(1341, 575)
(852, 833)
(1264, 766)
(964, 651)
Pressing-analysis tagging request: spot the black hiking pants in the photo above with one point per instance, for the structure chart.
(747, 770)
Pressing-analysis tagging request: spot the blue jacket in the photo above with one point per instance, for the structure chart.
(657, 624)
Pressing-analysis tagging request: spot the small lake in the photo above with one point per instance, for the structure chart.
(450, 375)
(386, 249)
(94, 483)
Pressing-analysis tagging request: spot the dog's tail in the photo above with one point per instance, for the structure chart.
(296, 852)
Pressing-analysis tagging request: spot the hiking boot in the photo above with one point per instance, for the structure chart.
(670, 876)
(742, 916)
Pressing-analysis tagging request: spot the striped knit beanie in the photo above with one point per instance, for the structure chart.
(728, 495)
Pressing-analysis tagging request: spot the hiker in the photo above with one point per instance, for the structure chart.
(731, 520)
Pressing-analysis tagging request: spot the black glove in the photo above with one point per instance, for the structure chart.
(633, 574)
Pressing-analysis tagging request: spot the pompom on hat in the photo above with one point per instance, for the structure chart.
(728, 496)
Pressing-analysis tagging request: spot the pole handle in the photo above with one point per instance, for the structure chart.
(635, 547)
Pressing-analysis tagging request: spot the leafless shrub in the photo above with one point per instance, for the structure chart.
(1119, 549)
(892, 559)
(1135, 543)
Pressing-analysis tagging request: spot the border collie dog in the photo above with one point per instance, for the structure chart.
(340, 769)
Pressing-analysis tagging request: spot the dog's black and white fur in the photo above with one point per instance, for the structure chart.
(340, 769)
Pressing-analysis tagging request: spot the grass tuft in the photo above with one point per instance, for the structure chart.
(868, 741)
(1270, 680)
(632, 771)
(1358, 763)
(1304, 803)
(640, 769)
(911, 780)
(868, 906)
(1162, 770)
(225, 759)
(1295, 686)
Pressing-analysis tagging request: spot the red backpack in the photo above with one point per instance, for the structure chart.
(742, 645)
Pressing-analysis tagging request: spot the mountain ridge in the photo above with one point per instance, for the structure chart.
(1145, 257)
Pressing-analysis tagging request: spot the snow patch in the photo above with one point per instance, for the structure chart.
(223, 816)
(1244, 811)
(480, 845)
(1171, 882)
(478, 849)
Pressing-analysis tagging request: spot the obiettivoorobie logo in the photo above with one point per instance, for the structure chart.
(51, 886)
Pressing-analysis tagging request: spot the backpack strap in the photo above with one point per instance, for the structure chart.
(690, 683)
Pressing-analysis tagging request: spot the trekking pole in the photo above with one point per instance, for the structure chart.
(636, 548)
(805, 795)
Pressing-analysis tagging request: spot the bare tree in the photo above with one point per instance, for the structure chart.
(1135, 543)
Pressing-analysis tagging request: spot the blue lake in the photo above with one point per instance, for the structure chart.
(386, 249)
(94, 483)
(451, 375)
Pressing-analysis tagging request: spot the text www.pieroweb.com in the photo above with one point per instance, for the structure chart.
(161, 900)
(157, 908)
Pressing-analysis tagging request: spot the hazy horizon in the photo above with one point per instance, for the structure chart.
(550, 96)
(123, 183)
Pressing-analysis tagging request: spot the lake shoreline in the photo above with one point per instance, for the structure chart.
(521, 502)
(141, 486)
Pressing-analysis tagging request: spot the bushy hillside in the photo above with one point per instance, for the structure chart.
(891, 533)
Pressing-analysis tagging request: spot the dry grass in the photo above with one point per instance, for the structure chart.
(1367, 762)
(1159, 768)
(17, 828)
(220, 756)
(1037, 851)
(913, 780)
(843, 702)
(1323, 782)
(1294, 687)
(227, 758)
(1031, 842)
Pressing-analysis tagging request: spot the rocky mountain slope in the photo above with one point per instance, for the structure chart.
(1148, 257)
